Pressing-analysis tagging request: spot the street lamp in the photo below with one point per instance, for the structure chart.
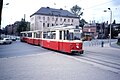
(110, 23)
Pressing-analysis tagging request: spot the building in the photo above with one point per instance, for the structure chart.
(9, 29)
(47, 17)
(12, 29)
(89, 31)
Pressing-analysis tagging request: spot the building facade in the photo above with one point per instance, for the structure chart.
(48, 17)
(12, 29)
(89, 31)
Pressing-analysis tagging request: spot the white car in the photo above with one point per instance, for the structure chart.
(5, 41)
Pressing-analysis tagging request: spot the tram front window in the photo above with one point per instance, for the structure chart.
(74, 36)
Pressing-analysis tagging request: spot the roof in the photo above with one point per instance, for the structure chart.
(54, 12)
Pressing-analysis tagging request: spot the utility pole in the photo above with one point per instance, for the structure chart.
(1, 5)
(110, 24)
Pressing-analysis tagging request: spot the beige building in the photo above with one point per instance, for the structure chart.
(48, 17)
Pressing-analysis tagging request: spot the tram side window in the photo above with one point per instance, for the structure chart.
(25, 35)
(53, 35)
(37, 34)
(22, 35)
(45, 35)
(66, 35)
(48, 35)
(71, 36)
(29, 34)
(34, 34)
(60, 35)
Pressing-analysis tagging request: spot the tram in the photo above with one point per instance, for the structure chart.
(60, 38)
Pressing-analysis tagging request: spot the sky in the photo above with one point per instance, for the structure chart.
(92, 9)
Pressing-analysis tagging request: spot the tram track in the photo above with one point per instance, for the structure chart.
(102, 63)
(106, 65)
(102, 54)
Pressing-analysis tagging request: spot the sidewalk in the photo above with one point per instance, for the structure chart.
(106, 49)
(114, 45)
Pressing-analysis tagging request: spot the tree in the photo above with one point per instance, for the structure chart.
(82, 22)
(22, 26)
(77, 11)
(114, 22)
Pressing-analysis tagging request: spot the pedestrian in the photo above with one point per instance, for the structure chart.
(102, 44)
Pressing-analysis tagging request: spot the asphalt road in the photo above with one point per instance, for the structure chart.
(43, 64)
(18, 48)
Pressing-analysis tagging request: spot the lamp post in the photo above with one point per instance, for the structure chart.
(110, 24)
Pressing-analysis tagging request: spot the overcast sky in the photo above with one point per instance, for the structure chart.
(93, 9)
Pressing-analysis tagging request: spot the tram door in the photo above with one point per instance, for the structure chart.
(61, 40)
(64, 41)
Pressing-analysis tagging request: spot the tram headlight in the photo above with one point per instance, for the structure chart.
(77, 46)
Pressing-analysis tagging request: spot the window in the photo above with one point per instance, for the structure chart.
(48, 24)
(43, 24)
(56, 19)
(52, 24)
(61, 19)
(24, 35)
(66, 35)
(53, 35)
(53, 19)
(48, 19)
(49, 35)
(39, 17)
(60, 35)
(45, 34)
(76, 36)
(37, 34)
(29, 34)
(71, 36)
(72, 20)
(64, 20)
(68, 20)
(43, 18)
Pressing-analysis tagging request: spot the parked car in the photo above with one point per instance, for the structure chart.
(5, 41)
(13, 38)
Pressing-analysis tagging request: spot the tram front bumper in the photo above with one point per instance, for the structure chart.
(77, 51)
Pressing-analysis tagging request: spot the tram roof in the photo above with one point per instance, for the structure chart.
(30, 31)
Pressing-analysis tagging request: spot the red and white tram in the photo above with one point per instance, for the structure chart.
(60, 38)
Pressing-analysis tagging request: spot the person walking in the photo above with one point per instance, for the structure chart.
(102, 44)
